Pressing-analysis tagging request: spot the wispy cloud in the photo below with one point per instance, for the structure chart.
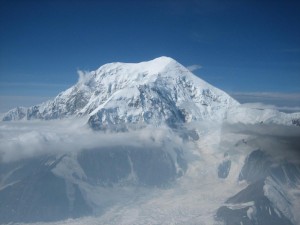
(83, 76)
(194, 67)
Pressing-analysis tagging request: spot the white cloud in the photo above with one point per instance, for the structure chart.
(23, 139)
(193, 68)
(26, 139)
(82, 75)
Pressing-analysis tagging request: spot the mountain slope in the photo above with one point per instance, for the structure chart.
(153, 92)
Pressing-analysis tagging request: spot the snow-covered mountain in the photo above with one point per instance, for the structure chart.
(154, 92)
(197, 157)
(160, 91)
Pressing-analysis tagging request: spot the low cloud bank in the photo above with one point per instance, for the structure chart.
(26, 139)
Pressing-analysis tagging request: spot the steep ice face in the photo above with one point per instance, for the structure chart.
(154, 92)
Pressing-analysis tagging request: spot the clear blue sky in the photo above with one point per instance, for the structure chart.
(248, 48)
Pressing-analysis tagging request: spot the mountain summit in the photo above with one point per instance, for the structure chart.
(121, 94)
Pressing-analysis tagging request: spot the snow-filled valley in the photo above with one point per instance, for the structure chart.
(148, 143)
